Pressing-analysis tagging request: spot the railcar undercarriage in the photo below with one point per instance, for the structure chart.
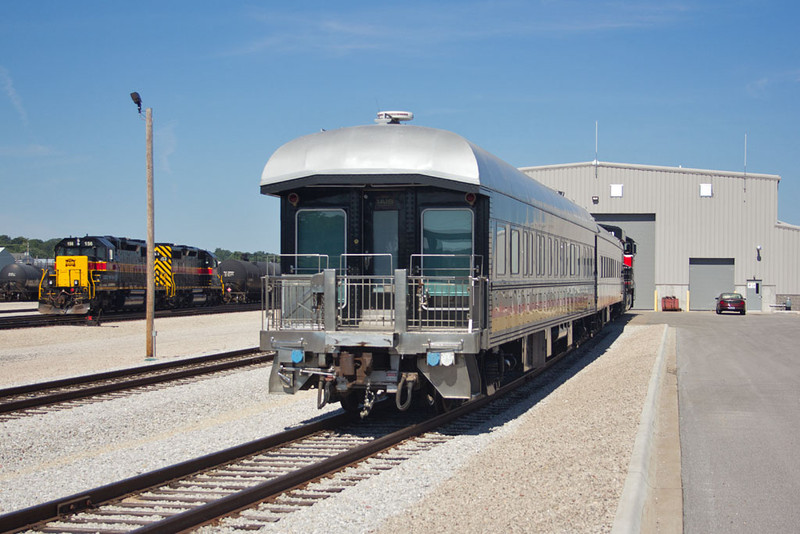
(409, 361)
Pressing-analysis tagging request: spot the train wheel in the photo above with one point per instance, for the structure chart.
(359, 402)
(351, 402)
(433, 400)
(444, 405)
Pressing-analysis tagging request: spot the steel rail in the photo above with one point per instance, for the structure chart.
(31, 321)
(36, 394)
(19, 310)
(116, 490)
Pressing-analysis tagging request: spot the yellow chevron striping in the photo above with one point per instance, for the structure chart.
(163, 269)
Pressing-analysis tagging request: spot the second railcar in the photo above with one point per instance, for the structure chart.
(241, 280)
(20, 281)
(418, 265)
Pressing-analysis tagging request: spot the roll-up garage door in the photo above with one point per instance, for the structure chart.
(708, 277)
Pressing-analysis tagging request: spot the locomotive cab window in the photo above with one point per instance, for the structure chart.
(447, 232)
(320, 232)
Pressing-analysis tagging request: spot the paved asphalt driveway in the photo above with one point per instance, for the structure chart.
(739, 402)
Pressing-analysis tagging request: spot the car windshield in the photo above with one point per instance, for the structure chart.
(729, 296)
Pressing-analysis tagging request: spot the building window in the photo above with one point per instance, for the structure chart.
(616, 190)
(706, 191)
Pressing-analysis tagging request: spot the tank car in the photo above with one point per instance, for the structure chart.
(417, 265)
(241, 280)
(20, 281)
(107, 273)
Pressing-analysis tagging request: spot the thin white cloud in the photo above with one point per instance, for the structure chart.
(26, 151)
(165, 143)
(421, 28)
(761, 87)
(13, 96)
(757, 88)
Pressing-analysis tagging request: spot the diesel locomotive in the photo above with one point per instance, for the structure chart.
(417, 265)
(106, 273)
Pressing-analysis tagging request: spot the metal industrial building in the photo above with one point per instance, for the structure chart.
(699, 232)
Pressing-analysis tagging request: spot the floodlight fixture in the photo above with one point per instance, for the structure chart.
(137, 100)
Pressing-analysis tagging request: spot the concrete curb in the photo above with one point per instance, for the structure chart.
(637, 484)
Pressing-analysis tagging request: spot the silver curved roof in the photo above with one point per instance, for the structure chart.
(403, 155)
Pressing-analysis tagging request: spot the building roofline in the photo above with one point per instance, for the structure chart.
(635, 166)
(786, 226)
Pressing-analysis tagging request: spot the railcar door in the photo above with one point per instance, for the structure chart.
(383, 232)
(385, 240)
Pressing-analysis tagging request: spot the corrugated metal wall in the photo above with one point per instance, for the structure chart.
(739, 215)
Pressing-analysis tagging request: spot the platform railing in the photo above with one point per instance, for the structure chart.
(291, 303)
(436, 297)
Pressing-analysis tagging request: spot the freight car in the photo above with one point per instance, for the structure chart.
(19, 281)
(417, 265)
(106, 273)
(241, 280)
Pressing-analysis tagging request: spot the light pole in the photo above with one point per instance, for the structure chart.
(151, 279)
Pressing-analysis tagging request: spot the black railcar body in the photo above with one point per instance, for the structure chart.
(418, 265)
(241, 279)
(107, 273)
(20, 281)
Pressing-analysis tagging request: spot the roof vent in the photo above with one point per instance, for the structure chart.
(393, 117)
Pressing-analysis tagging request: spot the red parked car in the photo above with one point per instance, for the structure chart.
(730, 302)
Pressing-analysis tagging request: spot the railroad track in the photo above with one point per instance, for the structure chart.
(17, 401)
(19, 310)
(30, 321)
(259, 482)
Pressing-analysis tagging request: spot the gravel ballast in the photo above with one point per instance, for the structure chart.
(557, 464)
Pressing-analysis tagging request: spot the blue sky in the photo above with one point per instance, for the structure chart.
(669, 83)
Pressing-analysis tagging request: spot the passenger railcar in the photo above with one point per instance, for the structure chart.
(418, 265)
(106, 273)
(20, 281)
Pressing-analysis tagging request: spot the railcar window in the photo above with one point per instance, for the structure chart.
(573, 260)
(526, 262)
(514, 251)
(385, 224)
(539, 255)
(551, 252)
(447, 231)
(543, 257)
(320, 232)
(500, 250)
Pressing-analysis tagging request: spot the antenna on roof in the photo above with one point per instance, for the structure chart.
(393, 117)
(745, 166)
(595, 162)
